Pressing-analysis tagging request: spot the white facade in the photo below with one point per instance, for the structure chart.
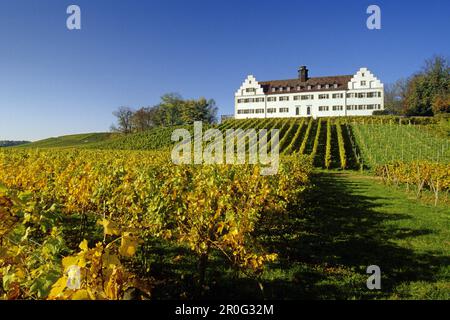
(354, 95)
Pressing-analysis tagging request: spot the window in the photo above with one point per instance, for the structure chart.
(338, 108)
(281, 89)
(327, 86)
(299, 88)
(361, 95)
(259, 111)
(297, 111)
(323, 108)
(269, 99)
(271, 110)
(250, 90)
(246, 111)
(307, 97)
(239, 101)
(273, 89)
(363, 83)
(283, 110)
(319, 86)
(297, 97)
(335, 85)
(285, 98)
(338, 95)
(362, 74)
(259, 100)
(288, 89)
(324, 96)
(309, 87)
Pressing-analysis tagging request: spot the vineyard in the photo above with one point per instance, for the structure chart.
(351, 143)
(115, 211)
(93, 209)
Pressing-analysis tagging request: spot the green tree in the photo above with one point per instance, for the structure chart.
(423, 87)
(199, 110)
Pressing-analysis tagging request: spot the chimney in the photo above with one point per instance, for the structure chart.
(303, 74)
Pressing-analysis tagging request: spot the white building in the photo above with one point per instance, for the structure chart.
(350, 95)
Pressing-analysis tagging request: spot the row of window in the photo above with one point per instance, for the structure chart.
(269, 110)
(280, 110)
(364, 107)
(374, 94)
(251, 100)
(250, 111)
(309, 87)
(321, 109)
(334, 108)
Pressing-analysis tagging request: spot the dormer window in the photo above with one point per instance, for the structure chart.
(309, 87)
(288, 89)
(335, 85)
(319, 86)
(327, 86)
(273, 89)
(298, 88)
(281, 89)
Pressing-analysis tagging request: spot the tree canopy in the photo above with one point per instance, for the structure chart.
(429, 87)
(172, 110)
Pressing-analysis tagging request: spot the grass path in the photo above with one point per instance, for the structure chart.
(352, 221)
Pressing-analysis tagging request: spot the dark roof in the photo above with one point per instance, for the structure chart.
(341, 81)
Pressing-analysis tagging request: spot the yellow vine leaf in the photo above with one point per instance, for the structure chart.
(114, 285)
(69, 261)
(81, 295)
(58, 288)
(128, 245)
(109, 227)
(84, 245)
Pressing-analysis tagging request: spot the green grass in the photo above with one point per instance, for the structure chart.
(75, 140)
(352, 221)
(153, 139)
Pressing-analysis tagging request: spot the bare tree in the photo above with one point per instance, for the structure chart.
(394, 96)
(124, 116)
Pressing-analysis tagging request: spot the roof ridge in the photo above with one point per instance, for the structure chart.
(297, 79)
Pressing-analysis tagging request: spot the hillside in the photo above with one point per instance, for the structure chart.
(75, 140)
(347, 143)
(154, 139)
(9, 143)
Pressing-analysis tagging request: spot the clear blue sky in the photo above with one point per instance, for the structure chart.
(54, 81)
